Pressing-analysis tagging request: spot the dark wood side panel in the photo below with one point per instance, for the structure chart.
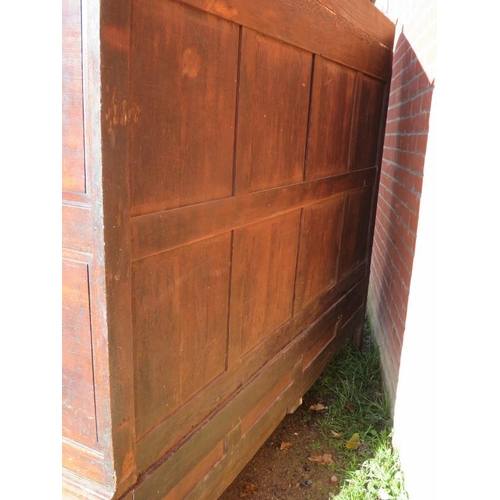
(366, 130)
(73, 164)
(183, 86)
(355, 230)
(79, 413)
(264, 260)
(180, 301)
(332, 105)
(272, 113)
(319, 253)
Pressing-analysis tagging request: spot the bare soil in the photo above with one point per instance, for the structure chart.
(276, 474)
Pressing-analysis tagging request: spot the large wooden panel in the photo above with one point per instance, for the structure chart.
(367, 124)
(78, 410)
(319, 250)
(331, 119)
(272, 113)
(355, 230)
(264, 261)
(73, 166)
(180, 301)
(183, 85)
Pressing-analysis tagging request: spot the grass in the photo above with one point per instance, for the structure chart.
(352, 389)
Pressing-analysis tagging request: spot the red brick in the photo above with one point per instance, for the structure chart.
(427, 100)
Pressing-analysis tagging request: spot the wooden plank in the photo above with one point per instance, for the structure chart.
(263, 273)
(311, 26)
(317, 268)
(332, 105)
(365, 16)
(183, 85)
(73, 159)
(78, 403)
(179, 304)
(77, 227)
(159, 441)
(355, 230)
(78, 487)
(272, 113)
(108, 148)
(155, 233)
(88, 462)
(190, 480)
(366, 126)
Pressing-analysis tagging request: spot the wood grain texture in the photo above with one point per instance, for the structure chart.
(310, 25)
(111, 306)
(272, 113)
(355, 230)
(263, 273)
(175, 427)
(77, 228)
(155, 233)
(212, 430)
(332, 105)
(319, 252)
(204, 264)
(73, 160)
(366, 128)
(79, 412)
(180, 301)
(183, 85)
(366, 17)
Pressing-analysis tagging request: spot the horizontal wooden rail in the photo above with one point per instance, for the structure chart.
(160, 231)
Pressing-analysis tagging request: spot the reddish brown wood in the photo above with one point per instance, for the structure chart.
(78, 415)
(319, 250)
(161, 231)
(73, 162)
(311, 25)
(219, 172)
(366, 129)
(263, 274)
(332, 104)
(179, 306)
(272, 112)
(355, 230)
(183, 97)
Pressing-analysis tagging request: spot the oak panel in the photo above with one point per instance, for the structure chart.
(171, 430)
(73, 166)
(319, 251)
(332, 105)
(313, 26)
(77, 228)
(78, 405)
(355, 230)
(272, 113)
(179, 303)
(183, 86)
(367, 124)
(263, 273)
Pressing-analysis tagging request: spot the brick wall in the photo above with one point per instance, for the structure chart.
(403, 168)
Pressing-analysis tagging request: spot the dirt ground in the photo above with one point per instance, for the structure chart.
(276, 474)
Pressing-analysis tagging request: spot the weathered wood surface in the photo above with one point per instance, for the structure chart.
(220, 165)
